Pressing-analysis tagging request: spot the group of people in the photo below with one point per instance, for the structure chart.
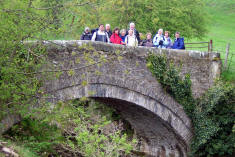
(131, 37)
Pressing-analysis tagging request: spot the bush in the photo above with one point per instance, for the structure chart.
(80, 130)
(214, 120)
(38, 136)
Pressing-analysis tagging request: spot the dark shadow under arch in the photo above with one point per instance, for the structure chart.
(158, 134)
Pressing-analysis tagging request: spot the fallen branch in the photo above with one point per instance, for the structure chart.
(7, 151)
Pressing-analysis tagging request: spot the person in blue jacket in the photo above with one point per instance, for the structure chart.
(123, 35)
(179, 42)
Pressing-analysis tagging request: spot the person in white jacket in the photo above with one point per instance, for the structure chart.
(167, 42)
(131, 39)
(100, 35)
(159, 39)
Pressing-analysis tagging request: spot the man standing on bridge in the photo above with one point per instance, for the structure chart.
(179, 42)
(100, 35)
(135, 32)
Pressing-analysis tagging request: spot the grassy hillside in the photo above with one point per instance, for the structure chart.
(221, 29)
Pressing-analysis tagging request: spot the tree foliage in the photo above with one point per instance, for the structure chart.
(17, 23)
(185, 16)
(214, 121)
(67, 19)
(20, 84)
(75, 127)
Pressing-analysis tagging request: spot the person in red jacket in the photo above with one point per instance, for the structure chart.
(115, 38)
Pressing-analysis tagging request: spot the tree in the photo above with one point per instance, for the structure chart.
(21, 79)
(185, 16)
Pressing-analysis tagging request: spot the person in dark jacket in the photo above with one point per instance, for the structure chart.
(86, 35)
(108, 30)
(179, 42)
(148, 41)
(100, 35)
(136, 33)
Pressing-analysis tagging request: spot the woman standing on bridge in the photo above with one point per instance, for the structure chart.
(123, 35)
(167, 42)
(148, 41)
(115, 38)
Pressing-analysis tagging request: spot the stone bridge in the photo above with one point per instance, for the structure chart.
(117, 75)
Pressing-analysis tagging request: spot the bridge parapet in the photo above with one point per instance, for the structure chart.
(203, 67)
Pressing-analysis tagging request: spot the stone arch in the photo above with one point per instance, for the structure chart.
(155, 108)
(137, 89)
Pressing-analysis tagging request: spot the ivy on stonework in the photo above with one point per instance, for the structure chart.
(213, 115)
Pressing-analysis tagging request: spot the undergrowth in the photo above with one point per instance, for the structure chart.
(72, 128)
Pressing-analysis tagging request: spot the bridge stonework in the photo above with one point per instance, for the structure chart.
(126, 84)
(123, 81)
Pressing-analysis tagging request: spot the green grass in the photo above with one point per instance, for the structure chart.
(24, 152)
(221, 29)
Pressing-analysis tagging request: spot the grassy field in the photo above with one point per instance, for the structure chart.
(221, 29)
